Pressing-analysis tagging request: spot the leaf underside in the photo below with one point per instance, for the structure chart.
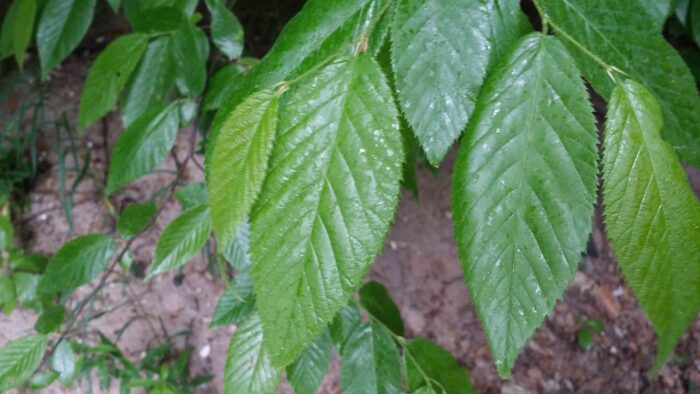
(523, 192)
(651, 215)
(370, 362)
(307, 372)
(441, 51)
(327, 201)
(623, 39)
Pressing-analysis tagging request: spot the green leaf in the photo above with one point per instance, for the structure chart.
(652, 215)
(26, 286)
(441, 51)
(239, 162)
(226, 30)
(62, 26)
(695, 20)
(221, 85)
(189, 59)
(7, 39)
(35, 263)
(181, 240)
(19, 359)
(108, 75)
(523, 191)
(327, 202)
(375, 298)
(42, 380)
(150, 83)
(77, 262)
(237, 302)
(115, 4)
(307, 372)
(446, 375)
(50, 320)
(8, 296)
(344, 324)
(237, 252)
(63, 361)
(320, 30)
(23, 28)
(143, 145)
(248, 369)
(6, 233)
(157, 20)
(370, 362)
(135, 217)
(659, 10)
(192, 195)
(621, 38)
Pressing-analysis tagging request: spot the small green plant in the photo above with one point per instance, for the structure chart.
(309, 147)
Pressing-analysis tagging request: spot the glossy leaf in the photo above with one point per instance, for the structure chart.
(23, 28)
(523, 192)
(77, 262)
(344, 324)
(441, 51)
(320, 30)
(181, 240)
(19, 359)
(307, 372)
(226, 30)
(651, 215)
(239, 162)
(135, 217)
(220, 86)
(446, 375)
(327, 202)
(62, 26)
(659, 10)
(108, 75)
(370, 362)
(237, 302)
(190, 61)
(376, 300)
(143, 145)
(621, 38)
(150, 83)
(64, 361)
(248, 369)
(7, 39)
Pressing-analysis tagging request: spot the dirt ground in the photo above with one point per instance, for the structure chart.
(419, 265)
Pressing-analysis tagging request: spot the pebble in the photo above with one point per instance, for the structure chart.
(205, 351)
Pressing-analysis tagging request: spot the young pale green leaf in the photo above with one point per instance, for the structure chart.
(608, 30)
(237, 302)
(108, 75)
(23, 28)
(226, 30)
(523, 191)
(248, 369)
(181, 240)
(190, 61)
(239, 162)
(19, 359)
(50, 320)
(135, 217)
(63, 361)
(446, 375)
(652, 215)
(143, 145)
(62, 26)
(441, 51)
(7, 39)
(150, 83)
(370, 362)
(79, 261)
(42, 379)
(320, 30)
(220, 86)
(327, 202)
(344, 324)
(375, 298)
(307, 372)
(237, 252)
